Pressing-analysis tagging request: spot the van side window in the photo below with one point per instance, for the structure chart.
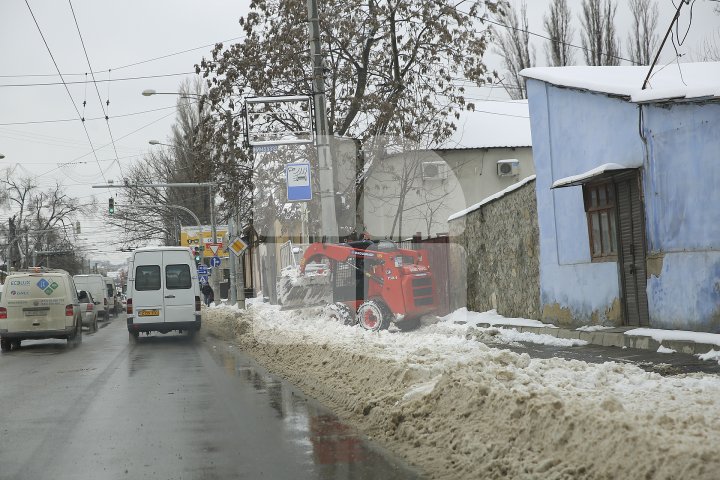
(177, 277)
(147, 277)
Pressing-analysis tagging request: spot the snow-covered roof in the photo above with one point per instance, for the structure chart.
(492, 197)
(686, 81)
(493, 124)
(593, 173)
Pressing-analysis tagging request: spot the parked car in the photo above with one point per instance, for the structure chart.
(110, 292)
(39, 304)
(95, 284)
(163, 291)
(88, 306)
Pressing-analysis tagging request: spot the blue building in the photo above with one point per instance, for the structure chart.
(628, 194)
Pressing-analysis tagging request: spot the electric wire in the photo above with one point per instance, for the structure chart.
(66, 88)
(78, 82)
(61, 120)
(87, 57)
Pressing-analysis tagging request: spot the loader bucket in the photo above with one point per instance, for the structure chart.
(301, 292)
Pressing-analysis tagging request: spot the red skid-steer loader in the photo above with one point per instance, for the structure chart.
(366, 282)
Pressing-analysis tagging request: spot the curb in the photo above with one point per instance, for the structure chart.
(614, 337)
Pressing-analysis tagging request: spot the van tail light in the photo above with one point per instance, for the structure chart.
(69, 311)
(197, 303)
(3, 313)
(129, 306)
(90, 307)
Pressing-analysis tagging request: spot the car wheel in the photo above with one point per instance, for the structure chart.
(78, 334)
(5, 344)
(94, 325)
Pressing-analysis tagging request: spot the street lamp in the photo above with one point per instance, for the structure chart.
(156, 142)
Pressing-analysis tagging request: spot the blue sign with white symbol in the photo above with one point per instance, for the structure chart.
(215, 262)
(202, 270)
(43, 284)
(203, 279)
(298, 182)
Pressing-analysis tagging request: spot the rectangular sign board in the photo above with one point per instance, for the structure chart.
(298, 182)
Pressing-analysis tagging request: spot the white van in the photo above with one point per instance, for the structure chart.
(95, 284)
(39, 303)
(163, 292)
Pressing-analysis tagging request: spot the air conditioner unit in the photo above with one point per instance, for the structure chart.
(435, 170)
(508, 168)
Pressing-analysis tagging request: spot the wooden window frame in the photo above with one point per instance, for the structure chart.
(607, 254)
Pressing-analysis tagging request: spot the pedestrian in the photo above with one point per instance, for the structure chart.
(209, 294)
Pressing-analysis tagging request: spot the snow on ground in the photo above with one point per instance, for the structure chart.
(491, 317)
(662, 349)
(446, 399)
(662, 335)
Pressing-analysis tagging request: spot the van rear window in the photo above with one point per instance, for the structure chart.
(147, 277)
(177, 277)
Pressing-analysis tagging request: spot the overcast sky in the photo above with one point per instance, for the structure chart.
(118, 35)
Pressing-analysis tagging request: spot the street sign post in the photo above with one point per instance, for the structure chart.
(298, 182)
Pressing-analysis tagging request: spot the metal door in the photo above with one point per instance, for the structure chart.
(631, 254)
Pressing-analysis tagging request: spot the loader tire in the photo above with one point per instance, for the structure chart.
(341, 313)
(373, 316)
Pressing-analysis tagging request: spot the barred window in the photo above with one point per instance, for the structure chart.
(602, 222)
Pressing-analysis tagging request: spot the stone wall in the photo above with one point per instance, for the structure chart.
(494, 258)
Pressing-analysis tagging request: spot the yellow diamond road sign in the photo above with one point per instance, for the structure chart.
(237, 246)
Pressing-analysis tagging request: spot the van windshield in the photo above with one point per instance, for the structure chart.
(177, 277)
(147, 277)
(110, 289)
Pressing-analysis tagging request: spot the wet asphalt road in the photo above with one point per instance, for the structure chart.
(167, 408)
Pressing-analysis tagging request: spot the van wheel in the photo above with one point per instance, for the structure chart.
(15, 344)
(5, 344)
(94, 325)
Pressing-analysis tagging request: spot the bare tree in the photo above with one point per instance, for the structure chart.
(514, 47)
(40, 220)
(642, 39)
(147, 213)
(599, 38)
(558, 28)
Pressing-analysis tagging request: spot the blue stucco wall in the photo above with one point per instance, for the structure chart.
(682, 208)
(573, 132)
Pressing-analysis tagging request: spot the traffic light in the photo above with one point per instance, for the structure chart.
(111, 205)
(197, 255)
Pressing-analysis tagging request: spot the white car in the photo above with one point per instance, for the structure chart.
(88, 306)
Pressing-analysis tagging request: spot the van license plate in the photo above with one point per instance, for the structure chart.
(36, 313)
(149, 313)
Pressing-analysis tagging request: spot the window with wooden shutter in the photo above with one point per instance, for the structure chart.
(602, 221)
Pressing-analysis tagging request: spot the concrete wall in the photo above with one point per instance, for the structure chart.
(495, 256)
(428, 203)
(575, 131)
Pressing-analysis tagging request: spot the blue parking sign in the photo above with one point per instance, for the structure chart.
(298, 182)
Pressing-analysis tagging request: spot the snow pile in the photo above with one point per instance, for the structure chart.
(446, 400)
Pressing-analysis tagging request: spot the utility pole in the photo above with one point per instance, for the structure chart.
(322, 136)
(237, 275)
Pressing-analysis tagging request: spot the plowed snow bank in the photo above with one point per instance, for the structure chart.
(458, 408)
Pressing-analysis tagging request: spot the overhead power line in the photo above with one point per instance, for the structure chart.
(61, 120)
(87, 57)
(66, 88)
(161, 57)
(80, 82)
